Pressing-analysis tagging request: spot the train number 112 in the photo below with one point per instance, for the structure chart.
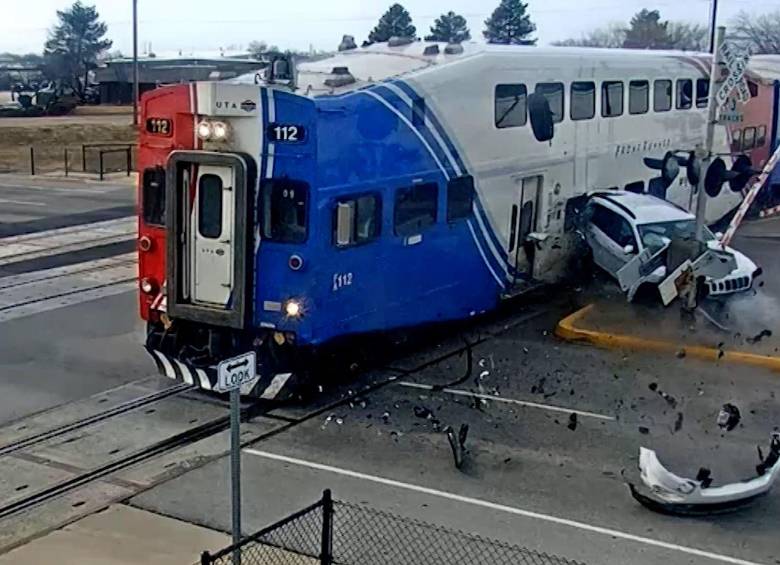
(286, 133)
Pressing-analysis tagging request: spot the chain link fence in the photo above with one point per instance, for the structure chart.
(333, 532)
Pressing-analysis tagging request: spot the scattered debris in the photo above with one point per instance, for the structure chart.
(423, 412)
(572, 421)
(386, 416)
(663, 491)
(729, 417)
(755, 339)
(721, 353)
(458, 443)
(681, 354)
(643, 430)
(678, 423)
(653, 386)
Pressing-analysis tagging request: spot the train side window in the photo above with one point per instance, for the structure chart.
(583, 100)
(415, 208)
(702, 92)
(357, 220)
(662, 95)
(684, 93)
(210, 206)
(753, 88)
(611, 98)
(284, 209)
(460, 198)
(748, 139)
(511, 105)
(153, 196)
(761, 136)
(638, 97)
(637, 187)
(736, 140)
(553, 91)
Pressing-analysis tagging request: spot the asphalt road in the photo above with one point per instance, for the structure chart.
(528, 479)
(29, 205)
(57, 348)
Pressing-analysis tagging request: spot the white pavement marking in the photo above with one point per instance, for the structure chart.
(66, 240)
(22, 202)
(551, 408)
(501, 508)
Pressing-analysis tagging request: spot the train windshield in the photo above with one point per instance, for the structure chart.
(284, 210)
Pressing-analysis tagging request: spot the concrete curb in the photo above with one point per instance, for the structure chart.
(568, 331)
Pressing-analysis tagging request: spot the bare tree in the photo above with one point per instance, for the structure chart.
(688, 37)
(611, 36)
(761, 34)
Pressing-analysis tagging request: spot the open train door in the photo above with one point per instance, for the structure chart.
(209, 255)
(523, 218)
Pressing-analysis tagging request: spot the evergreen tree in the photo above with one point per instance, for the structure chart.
(449, 27)
(510, 24)
(647, 31)
(396, 22)
(75, 44)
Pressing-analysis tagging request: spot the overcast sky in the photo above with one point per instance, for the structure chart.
(211, 24)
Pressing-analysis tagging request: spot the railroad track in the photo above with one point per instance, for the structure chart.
(123, 408)
(205, 430)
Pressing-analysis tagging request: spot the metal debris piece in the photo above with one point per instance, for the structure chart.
(643, 430)
(681, 354)
(729, 417)
(663, 491)
(423, 412)
(457, 443)
(678, 423)
(755, 339)
(572, 421)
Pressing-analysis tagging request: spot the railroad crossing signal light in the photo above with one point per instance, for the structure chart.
(692, 166)
(669, 167)
(738, 176)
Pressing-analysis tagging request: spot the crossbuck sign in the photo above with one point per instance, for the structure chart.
(736, 61)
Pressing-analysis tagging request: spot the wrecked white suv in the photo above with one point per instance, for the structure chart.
(621, 225)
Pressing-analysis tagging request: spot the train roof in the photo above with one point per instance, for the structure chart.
(381, 61)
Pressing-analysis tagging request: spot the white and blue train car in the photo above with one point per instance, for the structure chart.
(389, 187)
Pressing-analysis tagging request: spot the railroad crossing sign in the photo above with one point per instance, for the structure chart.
(736, 61)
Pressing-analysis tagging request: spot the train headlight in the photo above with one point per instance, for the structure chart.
(219, 131)
(293, 309)
(213, 131)
(205, 130)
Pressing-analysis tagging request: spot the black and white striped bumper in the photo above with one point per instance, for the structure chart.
(274, 387)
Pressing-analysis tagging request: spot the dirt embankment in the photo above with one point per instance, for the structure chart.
(49, 137)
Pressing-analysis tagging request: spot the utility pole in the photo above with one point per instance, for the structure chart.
(713, 23)
(136, 85)
(705, 153)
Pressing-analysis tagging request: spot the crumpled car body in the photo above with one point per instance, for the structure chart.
(665, 492)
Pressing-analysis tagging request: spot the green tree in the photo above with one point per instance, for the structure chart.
(647, 31)
(449, 27)
(75, 44)
(396, 22)
(510, 24)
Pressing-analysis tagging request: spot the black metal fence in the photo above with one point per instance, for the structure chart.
(332, 532)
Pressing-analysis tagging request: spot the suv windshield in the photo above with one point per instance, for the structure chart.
(655, 236)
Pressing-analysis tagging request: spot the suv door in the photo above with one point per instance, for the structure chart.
(608, 233)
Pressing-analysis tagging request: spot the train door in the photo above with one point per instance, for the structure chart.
(210, 248)
(209, 256)
(523, 220)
